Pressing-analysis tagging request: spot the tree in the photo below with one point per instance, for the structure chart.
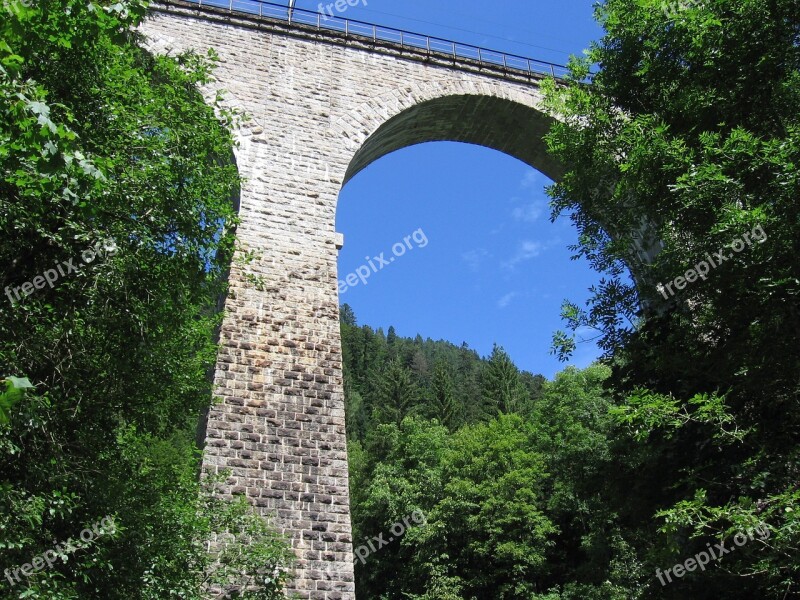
(397, 394)
(494, 509)
(391, 336)
(467, 382)
(501, 386)
(534, 384)
(685, 146)
(420, 368)
(576, 433)
(355, 413)
(347, 316)
(443, 402)
(400, 475)
(485, 532)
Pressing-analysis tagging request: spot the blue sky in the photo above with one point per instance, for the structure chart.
(494, 268)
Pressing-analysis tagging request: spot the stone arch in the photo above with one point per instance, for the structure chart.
(504, 118)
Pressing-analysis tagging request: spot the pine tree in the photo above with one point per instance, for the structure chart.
(397, 394)
(501, 384)
(467, 384)
(347, 315)
(355, 412)
(420, 368)
(443, 403)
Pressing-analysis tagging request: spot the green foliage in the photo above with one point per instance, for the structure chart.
(15, 388)
(494, 508)
(594, 555)
(686, 144)
(676, 134)
(443, 401)
(502, 386)
(396, 394)
(516, 505)
(388, 377)
(480, 490)
(249, 556)
(111, 153)
(644, 412)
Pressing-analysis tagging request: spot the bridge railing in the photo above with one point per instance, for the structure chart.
(379, 33)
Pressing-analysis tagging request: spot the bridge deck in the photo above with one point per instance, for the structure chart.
(387, 40)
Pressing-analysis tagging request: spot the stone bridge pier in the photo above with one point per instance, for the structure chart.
(319, 106)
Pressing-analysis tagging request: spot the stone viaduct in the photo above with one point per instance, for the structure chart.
(320, 105)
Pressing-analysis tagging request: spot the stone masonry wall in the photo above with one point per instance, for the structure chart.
(311, 105)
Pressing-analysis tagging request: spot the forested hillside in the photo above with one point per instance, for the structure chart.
(388, 378)
(506, 467)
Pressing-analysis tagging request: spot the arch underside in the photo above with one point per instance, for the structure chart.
(510, 127)
(501, 124)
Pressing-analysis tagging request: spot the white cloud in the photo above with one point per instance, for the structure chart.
(506, 300)
(532, 204)
(529, 213)
(474, 258)
(527, 250)
(534, 179)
